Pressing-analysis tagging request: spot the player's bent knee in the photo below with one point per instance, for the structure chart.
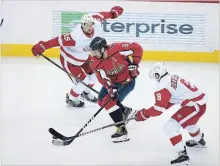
(172, 128)
(110, 104)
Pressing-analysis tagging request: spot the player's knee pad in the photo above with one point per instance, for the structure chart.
(172, 128)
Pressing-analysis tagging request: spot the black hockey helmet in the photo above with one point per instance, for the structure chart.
(98, 43)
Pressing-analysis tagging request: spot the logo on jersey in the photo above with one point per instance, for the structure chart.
(117, 68)
(179, 116)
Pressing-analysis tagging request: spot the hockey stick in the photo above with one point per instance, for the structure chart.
(61, 143)
(70, 139)
(69, 74)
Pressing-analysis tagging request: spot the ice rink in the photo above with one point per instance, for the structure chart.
(33, 100)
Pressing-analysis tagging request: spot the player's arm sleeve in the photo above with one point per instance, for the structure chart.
(162, 99)
(133, 49)
(101, 76)
(62, 40)
(137, 52)
(102, 16)
(97, 66)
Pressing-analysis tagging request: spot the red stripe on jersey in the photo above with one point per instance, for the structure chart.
(152, 112)
(200, 97)
(195, 134)
(105, 15)
(175, 140)
(70, 56)
(74, 94)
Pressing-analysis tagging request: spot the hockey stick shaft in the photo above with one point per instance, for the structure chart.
(104, 127)
(69, 74)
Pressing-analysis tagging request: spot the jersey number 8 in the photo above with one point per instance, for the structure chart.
(158, 96)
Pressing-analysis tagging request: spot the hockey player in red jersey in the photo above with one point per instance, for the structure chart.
(73, 55)
(117, 73)
(172, 89)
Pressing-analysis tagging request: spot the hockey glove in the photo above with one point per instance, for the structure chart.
(133, 70)
(116, 11)
(112, 91)
(38, 48)
(141, 115)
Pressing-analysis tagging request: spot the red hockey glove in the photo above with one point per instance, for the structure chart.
(141, 115)
(133, 70)
(116, 11)
(38, 48)
(112, 91)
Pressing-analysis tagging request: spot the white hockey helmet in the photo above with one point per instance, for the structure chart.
(87, 18)
(157, 71)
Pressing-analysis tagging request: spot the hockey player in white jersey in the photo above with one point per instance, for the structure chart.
(172, 89)
(73, 55)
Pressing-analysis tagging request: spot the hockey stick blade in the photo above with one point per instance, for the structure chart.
(58, 135)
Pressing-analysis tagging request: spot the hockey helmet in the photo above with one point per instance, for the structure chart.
(158, 71)
(98, 46)
(98, 43)
(87, 18)
(87, 23)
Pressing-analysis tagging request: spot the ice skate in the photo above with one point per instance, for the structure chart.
(194, 144)
(126, 113)
(121, 135)
(74, 103)
(89, 97)
(182, 159)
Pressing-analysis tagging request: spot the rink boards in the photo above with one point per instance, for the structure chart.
(166, 31)
(23, 50)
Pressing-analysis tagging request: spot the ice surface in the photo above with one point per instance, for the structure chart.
(33, 100)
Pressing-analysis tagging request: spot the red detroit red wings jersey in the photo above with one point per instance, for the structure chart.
(115, 66)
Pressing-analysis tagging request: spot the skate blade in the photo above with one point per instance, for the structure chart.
(71, 106)
(184, 163)
(121, 139)
(197, 146)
